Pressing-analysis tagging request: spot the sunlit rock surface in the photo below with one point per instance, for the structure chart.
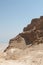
(28, 56)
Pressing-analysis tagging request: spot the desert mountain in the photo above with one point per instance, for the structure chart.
(27, 47)
(32, 34)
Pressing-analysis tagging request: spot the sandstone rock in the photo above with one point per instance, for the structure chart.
(31, 34)
(17, 42)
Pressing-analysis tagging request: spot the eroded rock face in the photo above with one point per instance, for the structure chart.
(31, 34)
(17, 42)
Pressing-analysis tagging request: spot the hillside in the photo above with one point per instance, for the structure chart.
(32, 34)
(27, 47)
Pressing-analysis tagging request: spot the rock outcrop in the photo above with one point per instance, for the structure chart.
(32, 34)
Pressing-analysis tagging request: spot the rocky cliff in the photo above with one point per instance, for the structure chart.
(32, 34)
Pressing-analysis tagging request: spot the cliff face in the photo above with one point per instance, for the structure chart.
(32, 34)
(36, 24)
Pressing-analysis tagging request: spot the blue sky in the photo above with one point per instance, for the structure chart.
(15, 15)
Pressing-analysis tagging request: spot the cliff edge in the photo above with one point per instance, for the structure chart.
(32, 34)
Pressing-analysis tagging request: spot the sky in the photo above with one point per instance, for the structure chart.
(15, 15)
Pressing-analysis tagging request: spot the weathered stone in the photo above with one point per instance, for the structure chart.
(31, 34)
